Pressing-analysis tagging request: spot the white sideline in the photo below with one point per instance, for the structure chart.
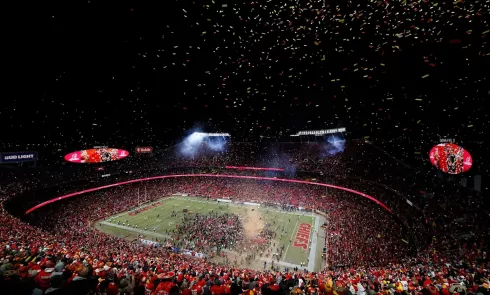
(314, 240)
(290, 239)
(141, 231)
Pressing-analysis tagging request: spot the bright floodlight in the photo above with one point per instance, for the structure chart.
(320, 132)
(198, 140)
(211, 134)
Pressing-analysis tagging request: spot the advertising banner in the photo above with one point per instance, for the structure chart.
(18, 157)
(223, 200)
(96, 155)
(251, 204)
(144, 150)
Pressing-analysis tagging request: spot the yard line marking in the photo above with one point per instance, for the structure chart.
(291, 239)
(280, 221)
(130, 229)
(282, 263)
(155, 224)
(120, 214)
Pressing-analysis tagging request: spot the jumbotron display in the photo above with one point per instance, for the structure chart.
(99, 155)
(450, 158)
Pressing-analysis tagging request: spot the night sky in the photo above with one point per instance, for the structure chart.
(124, 73)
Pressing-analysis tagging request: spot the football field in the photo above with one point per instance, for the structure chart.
(296, 231)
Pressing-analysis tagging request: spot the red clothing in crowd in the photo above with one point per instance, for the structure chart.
(196, 289)
(164, 288)
(217, 290)
(149, 289)
(43, 279)
(112, 289)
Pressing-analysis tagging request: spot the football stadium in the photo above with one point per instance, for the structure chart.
(247, 148)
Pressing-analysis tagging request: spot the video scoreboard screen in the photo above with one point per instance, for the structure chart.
(96, 155)
(450, 158)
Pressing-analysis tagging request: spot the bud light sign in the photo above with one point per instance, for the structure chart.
(18, 157)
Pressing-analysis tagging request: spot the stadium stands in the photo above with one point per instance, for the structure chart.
(367, 247)
(364, 246)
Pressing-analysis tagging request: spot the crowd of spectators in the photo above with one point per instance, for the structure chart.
(346, 213)
(57, 248)
(313, 157)
(204, 233)
(362, 247)
(365, 245)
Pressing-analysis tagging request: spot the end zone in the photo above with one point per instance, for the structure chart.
(302, 236)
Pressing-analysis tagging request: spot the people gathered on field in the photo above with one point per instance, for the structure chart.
(55, 250)
(206, 232)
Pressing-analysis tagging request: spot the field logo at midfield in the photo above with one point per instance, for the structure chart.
(302, 236)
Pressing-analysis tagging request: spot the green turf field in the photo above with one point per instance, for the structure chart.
(156, 222)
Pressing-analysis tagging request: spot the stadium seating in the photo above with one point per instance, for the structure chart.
(364, 245)
(367, 247)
